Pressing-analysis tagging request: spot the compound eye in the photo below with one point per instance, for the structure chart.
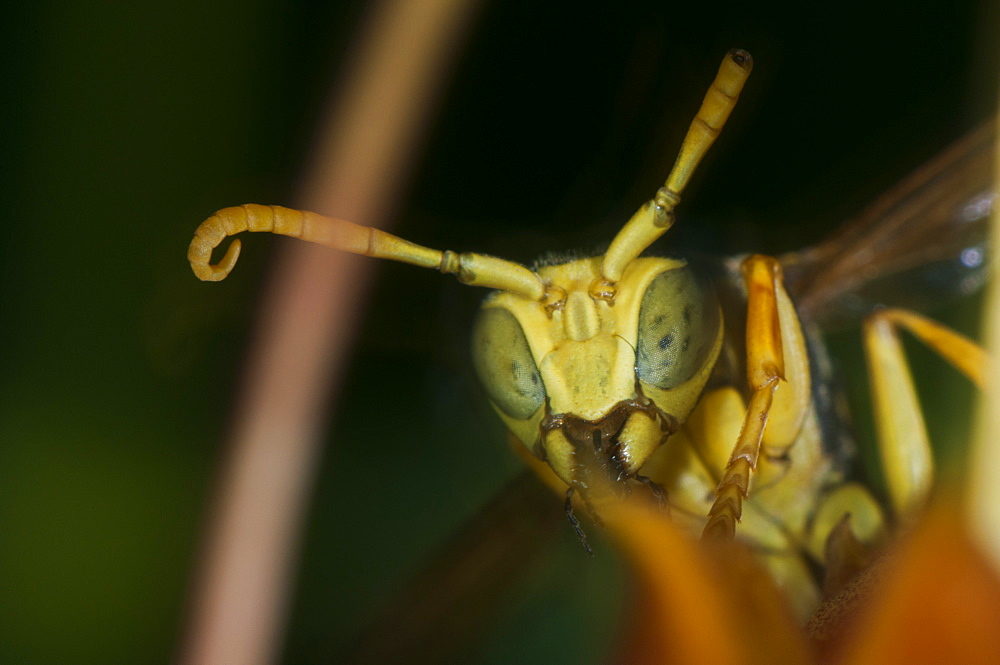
(504, 363)
(678, 324)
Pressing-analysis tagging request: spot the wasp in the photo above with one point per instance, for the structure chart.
(695, 384)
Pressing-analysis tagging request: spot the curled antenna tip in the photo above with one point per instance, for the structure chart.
(207, 272)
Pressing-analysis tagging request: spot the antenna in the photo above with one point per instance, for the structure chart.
(657, 215)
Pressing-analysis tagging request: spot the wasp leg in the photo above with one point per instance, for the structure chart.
(903, 444)
(659, 494)
(575, 523)
(776, 352)
(845, 530)
(846, 556)
(546, 475)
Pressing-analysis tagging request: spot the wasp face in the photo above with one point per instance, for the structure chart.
(595, 387)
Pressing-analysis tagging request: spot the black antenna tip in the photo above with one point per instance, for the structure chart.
(741, 58)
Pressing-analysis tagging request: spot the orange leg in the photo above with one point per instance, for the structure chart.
(766, 323)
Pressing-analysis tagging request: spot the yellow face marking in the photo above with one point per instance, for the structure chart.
(586, 355)
(581, 318)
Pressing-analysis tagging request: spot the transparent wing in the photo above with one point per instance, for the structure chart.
(923, 241)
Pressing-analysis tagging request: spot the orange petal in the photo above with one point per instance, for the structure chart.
(699, 604)
(938, 603)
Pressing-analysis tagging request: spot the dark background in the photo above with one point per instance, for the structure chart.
(127, 124)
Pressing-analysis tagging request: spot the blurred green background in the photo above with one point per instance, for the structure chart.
(126, 124)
